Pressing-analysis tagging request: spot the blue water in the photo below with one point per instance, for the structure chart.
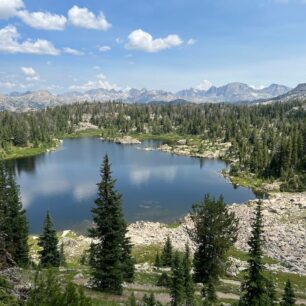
(156, 186)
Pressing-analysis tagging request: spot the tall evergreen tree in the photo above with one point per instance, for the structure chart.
(50, 290)
(13, 222)
(188, 281)
(149, 300)
(288, 298)
(215, 232)
(254, 288)
(49, 254)
(110, 258)
(132, 300)
(177, 284)
(157, 262)
(19, 224)
(271, 291)
(166, 256)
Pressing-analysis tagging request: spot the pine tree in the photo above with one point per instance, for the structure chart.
(215, 232)
(127, 261)
(210, 293)
(177, 284)
(288, 298)
(157, 262)
(132, 300)
(13, 222)
(110, 258)
(164, 280)
(254, 287)
(166, 256)
(188, 282)
(49, 290)
(149, 300)
(271, 291)
(18, 224)
(49, 255)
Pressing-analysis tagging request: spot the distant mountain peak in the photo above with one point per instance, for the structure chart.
(205, 92)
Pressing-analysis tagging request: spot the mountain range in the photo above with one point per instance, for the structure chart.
(231, 93)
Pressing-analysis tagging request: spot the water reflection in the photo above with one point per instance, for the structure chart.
(156, 186)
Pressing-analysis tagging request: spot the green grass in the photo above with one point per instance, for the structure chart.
(250, 181)
(168, 138)
(145, 278)
(85, 133)
(146, 253)
(19, 152)
(233, 252)
(173, 225)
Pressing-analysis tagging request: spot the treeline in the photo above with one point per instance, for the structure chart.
(267, 140)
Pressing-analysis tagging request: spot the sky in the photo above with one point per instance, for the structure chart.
(77, 45)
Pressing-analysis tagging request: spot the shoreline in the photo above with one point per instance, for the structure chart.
(179, 146)
(284, 219)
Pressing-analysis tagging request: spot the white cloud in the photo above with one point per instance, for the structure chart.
(104, 48)
(9, 8)
(9, 43)
(142, 175)
(84, 191)
(83, 18)
(30, 73)
(102, 82)
(73, 51)
(96, 67)
(204, 85)
(140, 40)
(41, 20)
(8, 84)
(290, 1)
(101, 76)
(119, 40)
(191, 41)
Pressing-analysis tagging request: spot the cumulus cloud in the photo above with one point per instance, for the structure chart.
(9, 8)
(30, 73)
(9, 43)
(101, 76)
(104, 48)
(73, 51)
(204, 85)
(290, 1)
(83, 18)
(141, 40)
(41, 20)
(119, 40)
(101, 82)
(191, 41)
(8, 84)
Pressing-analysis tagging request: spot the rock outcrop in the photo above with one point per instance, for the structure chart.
(284, 217)
(127, 140)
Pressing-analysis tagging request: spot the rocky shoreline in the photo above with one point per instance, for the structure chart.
(181, 148)
(284, 217)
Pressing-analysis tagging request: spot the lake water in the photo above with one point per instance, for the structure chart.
(156, 186)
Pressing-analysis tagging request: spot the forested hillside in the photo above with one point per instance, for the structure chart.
(268, 141)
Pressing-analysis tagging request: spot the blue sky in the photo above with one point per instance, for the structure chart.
(158, 44)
